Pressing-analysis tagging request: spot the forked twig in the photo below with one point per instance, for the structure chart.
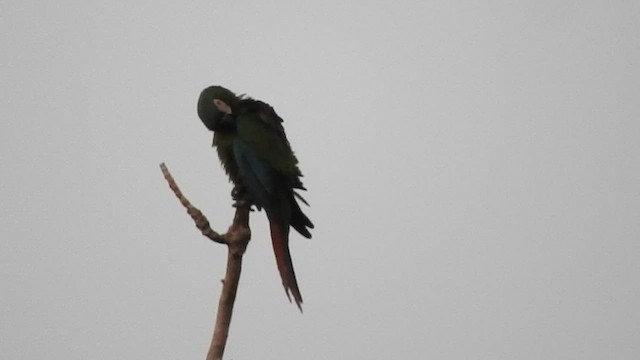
(237, 238)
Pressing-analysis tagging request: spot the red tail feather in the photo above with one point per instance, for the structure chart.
(280, 240)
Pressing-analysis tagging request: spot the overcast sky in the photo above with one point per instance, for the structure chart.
(473, 172)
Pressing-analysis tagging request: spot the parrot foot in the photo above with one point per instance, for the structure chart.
(241, 197)
(238, 192)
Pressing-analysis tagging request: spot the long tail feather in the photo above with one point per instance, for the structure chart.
(299, 221)
(280, 240)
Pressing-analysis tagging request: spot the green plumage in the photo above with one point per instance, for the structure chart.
(256, 155)
(222, 125)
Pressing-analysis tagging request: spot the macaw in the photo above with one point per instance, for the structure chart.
(256, 155)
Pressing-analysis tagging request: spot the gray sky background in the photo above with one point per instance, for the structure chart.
(473, 168)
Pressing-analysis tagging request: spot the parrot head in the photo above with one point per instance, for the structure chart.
(215, 102)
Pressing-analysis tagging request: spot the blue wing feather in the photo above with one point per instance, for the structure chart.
(256, 174)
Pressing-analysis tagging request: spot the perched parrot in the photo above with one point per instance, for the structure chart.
(257, 157)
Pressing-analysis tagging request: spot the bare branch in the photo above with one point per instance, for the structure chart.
(201, 221)
(237, 238)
